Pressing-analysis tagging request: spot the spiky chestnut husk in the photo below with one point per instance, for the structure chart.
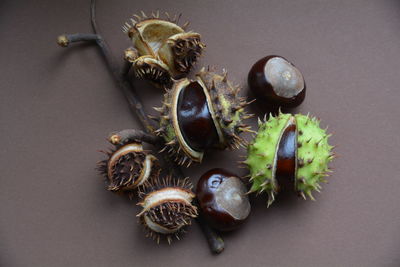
(228, 108)
(215, 121)
(164, 49)
(127, 167)
(167, 207)
(310, 155)
(151, 69)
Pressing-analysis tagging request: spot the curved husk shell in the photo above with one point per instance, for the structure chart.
(164, 41)
(169, 130)
(149, 35)
(151, 69)
(261, 155)
(181, 52)
(313, 155)
(166, 207)
(128, 167)
(228, 108)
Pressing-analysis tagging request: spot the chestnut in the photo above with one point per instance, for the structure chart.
(201, 114)
(195, 121)
(278, 82)
(222, 199)
(289, 152)
(286, 156)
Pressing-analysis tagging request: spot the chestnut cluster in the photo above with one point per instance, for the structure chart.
(196, 115)
(204, 113)
(166, 202)
(288, 151)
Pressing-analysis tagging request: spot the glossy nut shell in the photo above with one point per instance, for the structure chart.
(223, 200)
(276, 81)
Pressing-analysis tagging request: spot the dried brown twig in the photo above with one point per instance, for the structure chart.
(120, 75)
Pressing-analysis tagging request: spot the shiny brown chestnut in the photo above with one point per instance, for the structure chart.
(223, 200)
(195, 121)
(199, 114)
(286, 157)
(278, 82)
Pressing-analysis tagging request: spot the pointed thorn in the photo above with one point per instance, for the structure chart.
(185, 25)
(159, 109)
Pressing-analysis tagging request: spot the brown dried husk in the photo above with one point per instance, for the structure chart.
(166, 43)
(169, 213)
(126, 172)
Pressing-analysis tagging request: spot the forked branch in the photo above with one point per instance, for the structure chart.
(216, 243)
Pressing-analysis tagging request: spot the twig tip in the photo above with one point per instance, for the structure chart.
(62, 40)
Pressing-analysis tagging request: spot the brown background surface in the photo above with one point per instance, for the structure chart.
(58, 105)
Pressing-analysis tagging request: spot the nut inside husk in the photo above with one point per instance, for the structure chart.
(216, 122)
(312, 154)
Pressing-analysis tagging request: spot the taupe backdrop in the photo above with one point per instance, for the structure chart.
(58, 105)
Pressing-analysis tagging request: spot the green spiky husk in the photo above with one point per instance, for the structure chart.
(261, 156)
(313, 155)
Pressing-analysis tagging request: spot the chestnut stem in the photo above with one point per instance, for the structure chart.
(120, 75)
(215, 241)
(127, 135)
(65, 40)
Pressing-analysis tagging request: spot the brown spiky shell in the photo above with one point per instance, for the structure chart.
(151, 69)
(166, 207)
(226, 108)
(164, 49)
(127, 167)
